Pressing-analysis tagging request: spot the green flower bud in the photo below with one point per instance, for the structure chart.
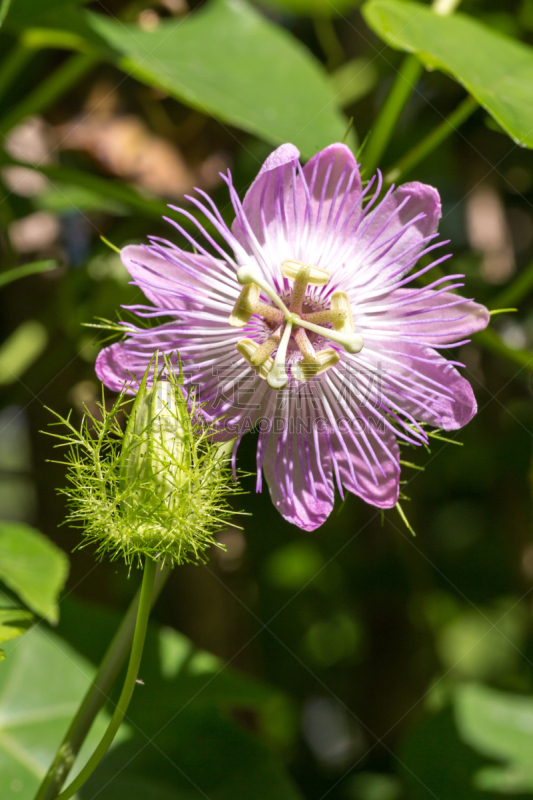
(160, 488)
(156, 447)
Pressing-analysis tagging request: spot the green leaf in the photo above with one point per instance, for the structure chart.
(228, 61)
(11, 275)
(218, 759)
(180, 674)
(42, 683)
(189, 706)
(13, 622)
(496, 70)
(498, 725)
(435, 763)
(32, 567)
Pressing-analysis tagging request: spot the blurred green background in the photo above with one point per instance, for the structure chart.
(358, 662)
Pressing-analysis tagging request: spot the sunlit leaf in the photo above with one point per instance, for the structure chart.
(229, 61)
(500, 726)
(42, 682)
(495, 69)
(32, 567)
(486, 643)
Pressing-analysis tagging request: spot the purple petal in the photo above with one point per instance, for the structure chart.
(333, 190)
(391, 235)
(434, 317)
(259, 204)
(379, 487)
(433, 391)
(300, 477)
(113, 367)
(159, 279)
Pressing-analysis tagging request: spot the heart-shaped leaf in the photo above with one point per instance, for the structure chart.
(229, 61)
(495, 69)
(13, 622)
(32, 567)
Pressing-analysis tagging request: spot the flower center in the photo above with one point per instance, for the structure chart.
(292, 321)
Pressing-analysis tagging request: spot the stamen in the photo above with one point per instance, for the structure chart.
(269, 313)
(266, 349)
(340, 302)
(247, 349)
(244, 308)
(325, 359)
(247, 274)
(352, 342)
(305, 346)
(277, 378)
(317, 276)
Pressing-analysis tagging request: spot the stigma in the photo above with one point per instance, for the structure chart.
(292, 324)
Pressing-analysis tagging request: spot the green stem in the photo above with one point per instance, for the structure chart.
(49, 90)
(13, 63)
(404, 83)
(329, 41)
(139, 636)
(96, 696)
(421, 150)
(513, 294)
(490, 340)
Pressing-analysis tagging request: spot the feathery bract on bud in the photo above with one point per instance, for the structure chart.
(157, 490)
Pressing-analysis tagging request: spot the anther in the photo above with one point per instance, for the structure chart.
(247, 348)
(317, 276)
(325, 359)
(340, 303)
(277, 378)
(244, 308)
(248, 274)
(266, 349)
